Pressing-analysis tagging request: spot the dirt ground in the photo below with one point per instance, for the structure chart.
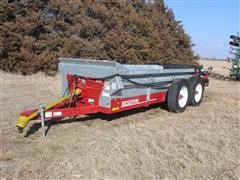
(201, 143)
(221, 67)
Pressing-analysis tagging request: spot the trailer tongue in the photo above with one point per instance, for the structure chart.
(92, 86)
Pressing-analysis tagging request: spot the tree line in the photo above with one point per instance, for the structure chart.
(34, 33)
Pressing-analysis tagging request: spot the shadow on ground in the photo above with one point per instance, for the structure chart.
(36, 126)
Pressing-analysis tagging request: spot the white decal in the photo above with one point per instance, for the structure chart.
(106, 94)
(130, 102)
(57, 113)
(114, 86)
(134, 102)
(91, 100)
(48, 114)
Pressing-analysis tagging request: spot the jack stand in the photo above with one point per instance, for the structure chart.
(41, 109)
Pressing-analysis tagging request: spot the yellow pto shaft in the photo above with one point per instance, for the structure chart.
(24, 120)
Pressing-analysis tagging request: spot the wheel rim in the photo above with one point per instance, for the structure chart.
(198, 92)
(183, 97)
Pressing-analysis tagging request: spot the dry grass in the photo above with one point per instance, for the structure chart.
(201, 143)
(221, 67)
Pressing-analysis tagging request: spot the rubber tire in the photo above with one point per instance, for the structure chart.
(192, 84)
(173, 93)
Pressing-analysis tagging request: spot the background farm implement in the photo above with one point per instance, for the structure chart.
(234, 71)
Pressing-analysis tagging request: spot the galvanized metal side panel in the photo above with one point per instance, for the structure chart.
(88, 68)
(138, 74)
(122, 88)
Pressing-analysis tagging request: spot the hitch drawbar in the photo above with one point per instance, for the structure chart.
(24, 120)
(108, 87)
